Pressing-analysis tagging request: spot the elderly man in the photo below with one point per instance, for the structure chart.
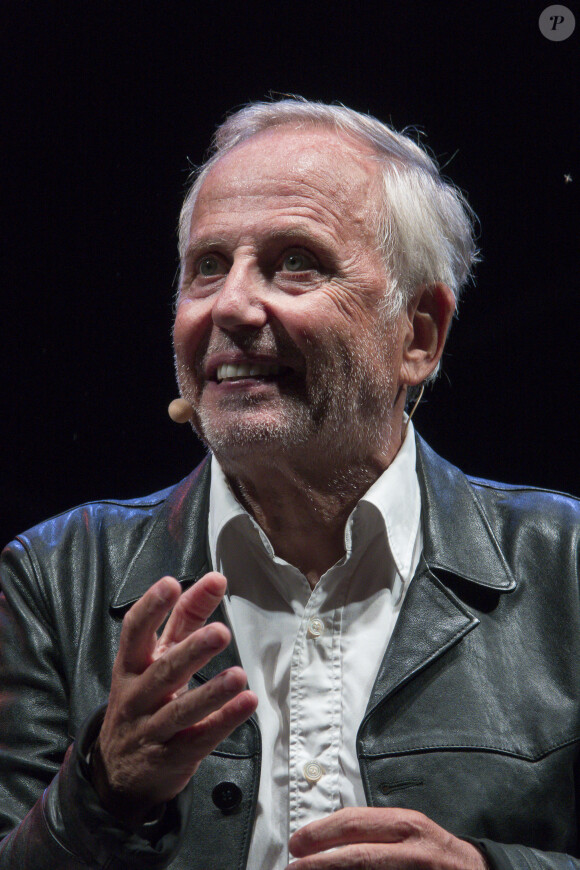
(409, 637)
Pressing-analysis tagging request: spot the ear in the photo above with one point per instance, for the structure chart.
(429, 316)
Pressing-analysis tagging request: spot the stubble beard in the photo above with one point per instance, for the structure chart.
(351, 400)
(340, 411)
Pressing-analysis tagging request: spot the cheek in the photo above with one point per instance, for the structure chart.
(189, 328)
(310, 319)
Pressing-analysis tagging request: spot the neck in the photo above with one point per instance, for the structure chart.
(303, 506)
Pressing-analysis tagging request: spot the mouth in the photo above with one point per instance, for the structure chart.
(240, 371)
(257, 371)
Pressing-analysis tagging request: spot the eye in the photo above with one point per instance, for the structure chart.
(297, 261)
(210, 265)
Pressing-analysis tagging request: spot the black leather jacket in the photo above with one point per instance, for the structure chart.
(473, 720)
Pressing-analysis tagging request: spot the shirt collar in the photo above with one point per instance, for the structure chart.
(395, 495)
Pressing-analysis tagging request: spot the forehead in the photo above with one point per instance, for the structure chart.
(315, 173)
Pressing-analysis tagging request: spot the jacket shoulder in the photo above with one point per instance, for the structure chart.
(99, 541)
(494, 533)
(538, 530)
(533, 501)
(98, 516)
(94, 517)
(446, 484)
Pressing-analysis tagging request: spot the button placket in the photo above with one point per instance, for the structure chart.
(315, 725)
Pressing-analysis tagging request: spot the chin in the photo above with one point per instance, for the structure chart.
(240, 437)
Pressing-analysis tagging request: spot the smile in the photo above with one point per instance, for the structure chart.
(228, 372)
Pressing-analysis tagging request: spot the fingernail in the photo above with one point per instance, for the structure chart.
(164, 591)
(212, 638)
(230, 681)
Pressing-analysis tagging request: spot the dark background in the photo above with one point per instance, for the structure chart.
(104, 103)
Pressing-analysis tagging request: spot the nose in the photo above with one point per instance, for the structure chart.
(239, 305)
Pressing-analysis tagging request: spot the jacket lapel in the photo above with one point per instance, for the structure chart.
(458, 542)
(430, 623)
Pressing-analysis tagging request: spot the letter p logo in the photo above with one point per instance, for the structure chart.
(557, 23)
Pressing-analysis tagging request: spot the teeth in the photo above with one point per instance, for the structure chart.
(227, 371)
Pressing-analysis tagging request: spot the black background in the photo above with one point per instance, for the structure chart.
(104, 103)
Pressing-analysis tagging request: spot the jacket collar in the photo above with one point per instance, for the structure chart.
(457, 536)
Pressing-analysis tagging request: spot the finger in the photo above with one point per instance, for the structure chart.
(173, 670)
(137, 642)
(193, 608)
(357, 825)
(406, 855)
(189, 709)
(363, 856)
(203, 737)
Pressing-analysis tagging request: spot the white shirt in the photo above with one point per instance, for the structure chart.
(312, 656)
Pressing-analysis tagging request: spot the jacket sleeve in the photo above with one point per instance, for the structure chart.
(50, 815)
(511, 856)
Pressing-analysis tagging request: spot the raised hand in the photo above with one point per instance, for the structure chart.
(372, 838)
(156, 731)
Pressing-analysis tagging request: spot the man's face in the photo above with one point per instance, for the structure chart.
(280, 340)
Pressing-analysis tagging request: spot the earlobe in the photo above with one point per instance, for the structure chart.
(429, 316)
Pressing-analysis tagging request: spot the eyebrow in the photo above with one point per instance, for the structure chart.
(297, 232)
(203, 244)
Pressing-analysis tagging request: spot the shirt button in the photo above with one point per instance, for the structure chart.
(313, 771)
(315, 627)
